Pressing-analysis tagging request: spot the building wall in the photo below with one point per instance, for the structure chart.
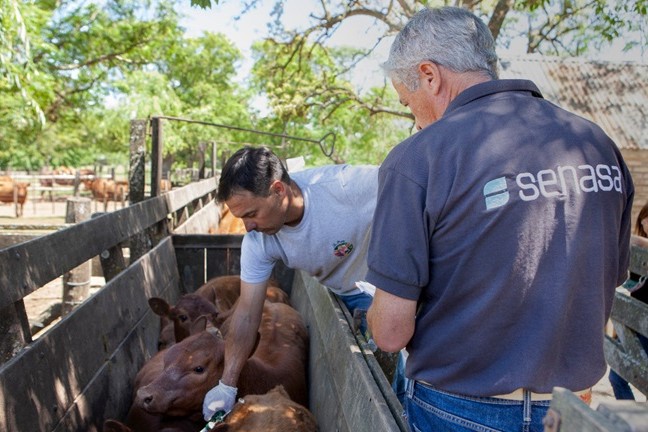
(637, 161)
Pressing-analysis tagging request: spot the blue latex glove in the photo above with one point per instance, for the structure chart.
(221, 397)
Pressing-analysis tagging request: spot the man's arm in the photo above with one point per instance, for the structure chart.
(636, 240)
(242, 333)
(391, 320)
(239, 342)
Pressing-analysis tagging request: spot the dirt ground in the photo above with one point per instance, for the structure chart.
(42, 302)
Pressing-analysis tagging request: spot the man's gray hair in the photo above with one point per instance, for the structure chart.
(448, 36)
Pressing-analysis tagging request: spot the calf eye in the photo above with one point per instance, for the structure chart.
(199, 369)
(183, 318)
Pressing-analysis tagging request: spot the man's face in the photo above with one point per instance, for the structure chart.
(266, 215)
(420, 103)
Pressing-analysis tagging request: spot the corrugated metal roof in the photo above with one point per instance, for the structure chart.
(614, 95)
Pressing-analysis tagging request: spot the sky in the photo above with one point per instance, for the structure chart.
(359, 32)
(253, 26)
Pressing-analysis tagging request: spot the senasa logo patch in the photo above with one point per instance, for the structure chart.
(549, 183)
(495, 193)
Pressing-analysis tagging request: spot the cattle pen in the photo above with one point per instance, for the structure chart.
(80, 371)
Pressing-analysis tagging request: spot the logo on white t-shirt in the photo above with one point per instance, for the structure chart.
(342, 248)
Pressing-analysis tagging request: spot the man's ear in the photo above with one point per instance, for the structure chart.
(431, 73)
(277, 187)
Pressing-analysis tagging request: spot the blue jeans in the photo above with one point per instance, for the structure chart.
(399, 383)
(428, 409)
(360, 301)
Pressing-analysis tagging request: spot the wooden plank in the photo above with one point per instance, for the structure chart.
(179, 198)
(343, 393)
(634, 414)
(67, 379)
(630, 312)
(625, 355)
(639, 260)
(204, 221)
(568, 413)
(28, 266)
(223, 260)
(631, 368)
(191, 268)
(202, 257)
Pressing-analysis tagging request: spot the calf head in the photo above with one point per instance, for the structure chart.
(182, 316)
(191, 368)
(273, 411)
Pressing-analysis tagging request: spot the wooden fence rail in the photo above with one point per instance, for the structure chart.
(28, 266)
(626, 356)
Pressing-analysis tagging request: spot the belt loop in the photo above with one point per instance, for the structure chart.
(527, 408)
(410, 387)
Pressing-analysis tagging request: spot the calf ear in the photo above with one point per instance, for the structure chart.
(115, 426)
(159, 306)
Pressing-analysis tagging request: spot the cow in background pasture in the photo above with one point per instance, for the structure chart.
(13, 192)
(165, 185)
(107, 189)
(61, 175)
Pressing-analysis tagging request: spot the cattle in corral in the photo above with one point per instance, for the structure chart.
(176, 320)
(214, 299)
(273, 411)
(193, 366)
(60, 175)
(223, 291)
(13, 192)
(228, 223)
(165, 185)
(107, 189)
(139, 420)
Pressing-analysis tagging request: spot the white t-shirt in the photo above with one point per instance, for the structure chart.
(331, 241)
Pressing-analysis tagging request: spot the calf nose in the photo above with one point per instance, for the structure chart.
(145, 397)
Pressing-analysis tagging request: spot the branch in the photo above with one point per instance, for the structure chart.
(499, 14)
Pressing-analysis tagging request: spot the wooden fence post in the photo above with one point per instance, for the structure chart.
(76, 282)
(14, 330)
(137, 181)
(157, 149)
(112, 259)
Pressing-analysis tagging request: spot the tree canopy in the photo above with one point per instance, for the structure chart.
(73, 73)
(304, 75)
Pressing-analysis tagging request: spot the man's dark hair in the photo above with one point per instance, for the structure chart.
(252, 169)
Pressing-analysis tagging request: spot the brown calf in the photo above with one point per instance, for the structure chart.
(214, 299)
(193, 366)
(228, 223)
(270, 412)
(13, 192)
